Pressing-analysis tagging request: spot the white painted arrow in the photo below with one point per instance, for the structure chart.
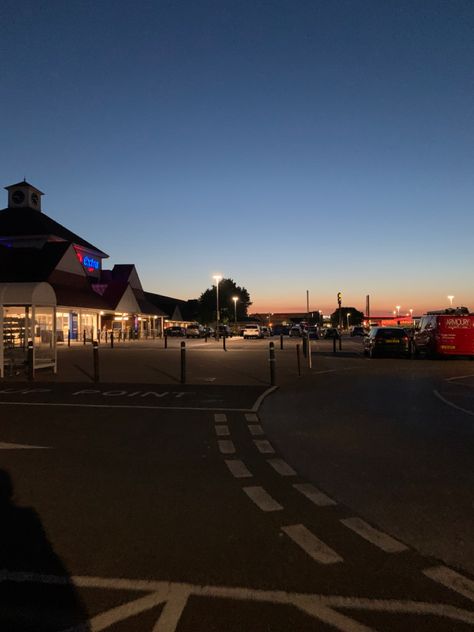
(20, 446)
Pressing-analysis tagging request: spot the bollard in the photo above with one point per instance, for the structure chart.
(305, 345)
(298, 359)
(334, 345)
(310, 360)
(106, 336)
(340, 342)
(84, 336)
(183, 362)
(271, 348)
(281, 341)
(111, 339)
(68, 337)
(95, 354)
(205, 337)
(166, 341)
(30, 362)
(223, 342)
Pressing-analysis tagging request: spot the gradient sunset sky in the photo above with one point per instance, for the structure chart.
(289, 145)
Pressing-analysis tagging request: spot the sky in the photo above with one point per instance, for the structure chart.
(291, 145)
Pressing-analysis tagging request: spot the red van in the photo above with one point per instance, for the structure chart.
(450, 332)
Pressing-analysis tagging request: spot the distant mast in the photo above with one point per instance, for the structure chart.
(367, 307)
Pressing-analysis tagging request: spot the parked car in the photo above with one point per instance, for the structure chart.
(331, 332)
(387, 341)
(295, 331)
(208, 331)
(195, 331)
(281, 330)
(225, 330)
(357, 331)
(252, 331)
(175, 330)
(450, 332)
(313, 332)
(265, 331)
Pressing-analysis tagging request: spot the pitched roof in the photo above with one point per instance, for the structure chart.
(30, 264)
(170, 305)
(27, 222)
(23, 183)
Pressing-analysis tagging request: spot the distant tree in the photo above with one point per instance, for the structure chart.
(356, 317)
(207, 304)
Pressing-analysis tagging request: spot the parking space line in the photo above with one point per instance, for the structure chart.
(251, 417)
(256, 430)
(226, 446)
(222, 430)
(264, 446)
(262, 499)
(374, 536)
(313, 546)
(220, 418)
(238, 469)
(282, 467)
(314, 495)
(451, 579)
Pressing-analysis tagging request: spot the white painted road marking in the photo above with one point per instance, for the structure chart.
(251, 417)
(314, 495)
(282, 467)
(220, 418)
(451, 579)
(238, 469)
(226, 446)
(262, 499)
(319, 607)
(222, 431)
(459, 377)
(21, 446)
(374, 536)
(311, 545)
(452, 404)
(256, 430)
(264, 446)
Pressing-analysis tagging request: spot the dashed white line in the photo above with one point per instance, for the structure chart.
(262, 499)
(220, 418)
(256, 430)
(222, 430)
(451, 579)
(251, 417)
(238, 469)
(282, 467)
(374, 536)
(264, 446)
(314, 495)
(226, 446)
(313, 546)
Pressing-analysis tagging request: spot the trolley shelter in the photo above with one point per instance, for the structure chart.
(27, 314)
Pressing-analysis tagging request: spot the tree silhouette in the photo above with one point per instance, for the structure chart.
(356, 317)
(227, 290)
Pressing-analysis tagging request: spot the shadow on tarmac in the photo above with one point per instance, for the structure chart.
(32, 606)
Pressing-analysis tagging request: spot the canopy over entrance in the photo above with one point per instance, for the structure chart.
(27, 318)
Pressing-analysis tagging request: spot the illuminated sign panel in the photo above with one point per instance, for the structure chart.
(89, 263)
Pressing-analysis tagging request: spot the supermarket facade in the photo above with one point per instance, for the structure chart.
(89, 299)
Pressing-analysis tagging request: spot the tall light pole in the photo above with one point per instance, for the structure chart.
(348, 317)
(411, 313)
(451, 300)
(217, 278)
(235, 299)
(398, 310)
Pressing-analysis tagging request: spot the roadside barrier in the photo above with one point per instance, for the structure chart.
(95, 357)
(305, 345)
(84, 336)
(298, 359)
(30, 363)
(111, 339)
(271, 348)
(183, 362)
(68, 337)
(340, 342)
(166, 341)
(310, 360)
(334, 345)
(281, 341)
(223, 342)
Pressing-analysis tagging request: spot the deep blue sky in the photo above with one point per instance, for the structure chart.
(291, 145)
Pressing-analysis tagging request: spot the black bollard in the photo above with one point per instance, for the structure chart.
(106, 336)
(334, 345)
(272, 361)
(223, 342)
(95, 354)
(183, 362)
(84, 336)
(205, 337)
(281, 341)
(30, 362)
(298, 359)
(111, 339)
(68, 337)
(166, 341)
(305, 345)
(340, 342)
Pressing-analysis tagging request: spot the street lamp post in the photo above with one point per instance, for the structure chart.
(398, 310)
(451, 300)
(348, 317)
(217, 278)
(235, 299)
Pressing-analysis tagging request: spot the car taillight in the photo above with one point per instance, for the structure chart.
(405, 338)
